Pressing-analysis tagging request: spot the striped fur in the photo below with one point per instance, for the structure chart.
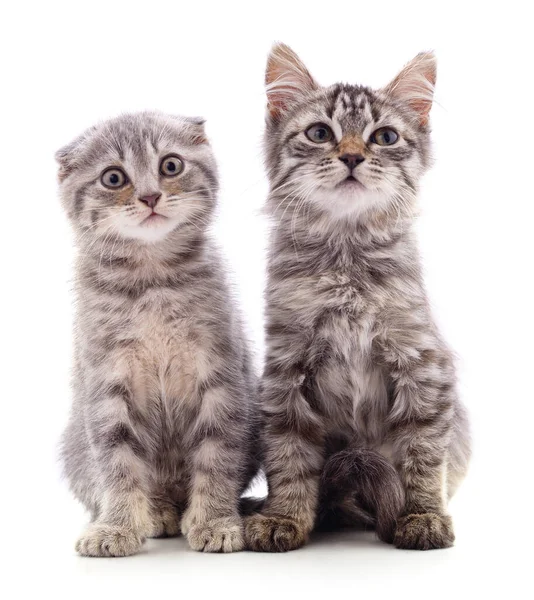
(355, 363)
(161, 434)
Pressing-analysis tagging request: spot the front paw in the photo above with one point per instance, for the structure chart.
(274, 534)
(100, 539)
(424, 532)
(217, 535)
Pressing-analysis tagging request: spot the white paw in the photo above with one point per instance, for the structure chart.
(217, 535)
(100, 539)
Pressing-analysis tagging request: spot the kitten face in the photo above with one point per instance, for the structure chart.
(346, 149)
(139, 177)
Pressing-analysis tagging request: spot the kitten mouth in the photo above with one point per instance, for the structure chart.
(351, 182)
(153, 218)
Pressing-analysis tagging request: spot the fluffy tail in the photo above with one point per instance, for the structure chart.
(249, 505)
(372, 485)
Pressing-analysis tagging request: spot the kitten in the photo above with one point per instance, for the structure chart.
(161, 434)
(355, 365)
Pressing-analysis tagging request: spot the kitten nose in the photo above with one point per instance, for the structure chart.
(351, 160)
(150, 200)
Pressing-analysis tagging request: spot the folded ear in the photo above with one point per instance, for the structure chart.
(193, 128)
(196, 131)
(68, 155)
(414, 85)
(287, 80)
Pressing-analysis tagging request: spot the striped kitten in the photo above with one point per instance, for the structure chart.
(160, 438)
(356, 370)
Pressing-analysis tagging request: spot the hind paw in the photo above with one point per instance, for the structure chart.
(165, 523)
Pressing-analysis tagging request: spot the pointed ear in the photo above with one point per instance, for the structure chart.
(286, 80)
(414, 85)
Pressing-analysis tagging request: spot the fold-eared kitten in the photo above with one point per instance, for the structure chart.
(356, 370)
(160, 438)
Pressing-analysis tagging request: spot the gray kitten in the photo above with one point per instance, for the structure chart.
(161, 435)
(362, 418)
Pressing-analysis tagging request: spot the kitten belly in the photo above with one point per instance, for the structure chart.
(353, 391)
(167, 383)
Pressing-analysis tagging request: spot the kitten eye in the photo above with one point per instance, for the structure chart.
(385, 136)
(113, 178)
(171, 165)
(319, 133)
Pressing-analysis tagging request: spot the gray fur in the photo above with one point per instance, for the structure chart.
(354, 359)
(161, 434)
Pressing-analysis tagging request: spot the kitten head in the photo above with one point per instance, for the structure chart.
(346, 150)
(138, 176)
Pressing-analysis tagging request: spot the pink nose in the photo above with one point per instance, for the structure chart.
(151, 200)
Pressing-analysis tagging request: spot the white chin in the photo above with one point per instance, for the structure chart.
(349, 201)
(152, 230)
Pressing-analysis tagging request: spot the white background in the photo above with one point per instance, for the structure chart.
(66, 65)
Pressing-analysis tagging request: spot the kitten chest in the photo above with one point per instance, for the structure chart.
(168, 350)
(352, 388)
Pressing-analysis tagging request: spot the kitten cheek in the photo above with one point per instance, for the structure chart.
(122, 196)
(171, 188)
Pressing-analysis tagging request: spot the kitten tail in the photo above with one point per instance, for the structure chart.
(250, 505)
(372, 480)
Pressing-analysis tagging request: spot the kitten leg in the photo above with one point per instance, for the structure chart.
(124, 511)
(421, 462)
(212, 522)
(459, 451)
(294, 458)
(420, 425)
